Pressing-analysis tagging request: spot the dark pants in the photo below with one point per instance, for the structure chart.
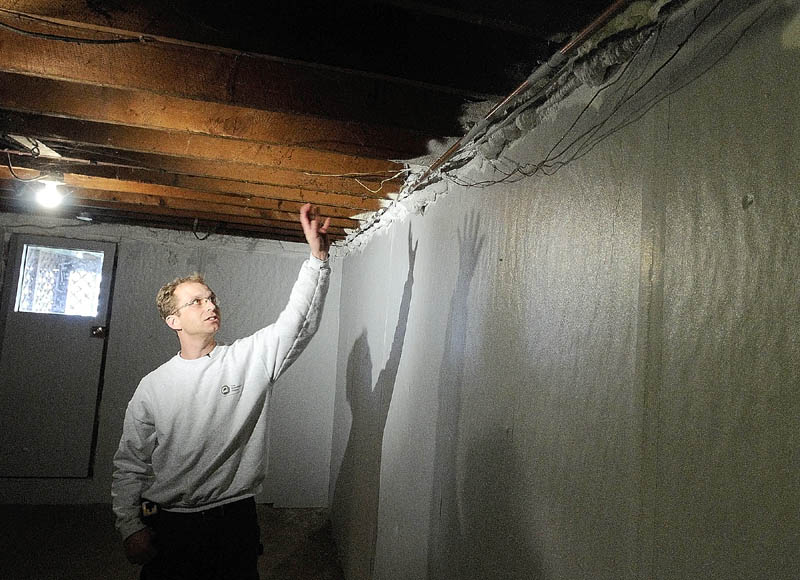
(222, 543)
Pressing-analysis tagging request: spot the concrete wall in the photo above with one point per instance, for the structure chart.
(253, 280)
(597, 373)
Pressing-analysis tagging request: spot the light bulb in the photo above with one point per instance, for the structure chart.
(49, 196)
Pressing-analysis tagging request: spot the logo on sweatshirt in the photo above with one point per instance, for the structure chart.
(230, 389)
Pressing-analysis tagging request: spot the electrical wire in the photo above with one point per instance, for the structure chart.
(17, 177)
(382, 183)
(582, 144)
(356, 176)
(136, 164)
(551, 164)
(78, 40)
(643, 109)
(541, 74)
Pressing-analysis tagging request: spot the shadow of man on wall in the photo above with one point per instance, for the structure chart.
(475, 530)
(357, 491)
(446, 537)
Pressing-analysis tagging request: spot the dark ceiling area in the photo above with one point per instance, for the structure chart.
(226, 117)
(472, 48)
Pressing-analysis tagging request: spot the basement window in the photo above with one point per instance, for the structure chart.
(59, 281)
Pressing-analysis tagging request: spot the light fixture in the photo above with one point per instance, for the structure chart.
(48, 195)
(84, 216)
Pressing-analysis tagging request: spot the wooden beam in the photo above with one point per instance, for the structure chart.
(339, 216)
(212, 74)
(178, 199)
(111, 210)
(496, 43)
(102, 157)
(149, 110)
(145, 216)
(369, 186)
(143, 180)
(189, 145)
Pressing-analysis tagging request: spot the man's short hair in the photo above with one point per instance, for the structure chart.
(165, 299)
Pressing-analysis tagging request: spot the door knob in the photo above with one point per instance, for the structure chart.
(99, 331)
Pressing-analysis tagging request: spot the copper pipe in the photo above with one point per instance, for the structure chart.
(593, 26)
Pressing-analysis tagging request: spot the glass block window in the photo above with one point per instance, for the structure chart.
(59, 281)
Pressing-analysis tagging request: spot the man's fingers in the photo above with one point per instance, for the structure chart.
(315, 229)
(304, 215)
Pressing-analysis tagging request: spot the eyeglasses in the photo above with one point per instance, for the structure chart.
(198, 302)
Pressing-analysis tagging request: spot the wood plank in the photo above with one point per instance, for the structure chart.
(491, 64)
(157, 111)
(177, 199)
(127, 178)
(170, 192)
(150, 215)
(144, 216)
(189, 145)
(231, 77)
(370, 186)
(207, 222)
(100, 158)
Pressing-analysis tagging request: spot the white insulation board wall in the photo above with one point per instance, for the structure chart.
(614, 391)
(253, 280)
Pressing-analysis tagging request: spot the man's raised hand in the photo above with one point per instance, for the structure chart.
(316, 234)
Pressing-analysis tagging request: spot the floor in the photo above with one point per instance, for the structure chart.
(80, 543)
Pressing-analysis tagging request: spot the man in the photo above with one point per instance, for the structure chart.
(191, 456)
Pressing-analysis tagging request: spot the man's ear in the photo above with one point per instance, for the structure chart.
(173, 322)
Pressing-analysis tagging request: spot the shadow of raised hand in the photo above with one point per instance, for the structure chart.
(470, 244)
(357, 491)
(446, 557)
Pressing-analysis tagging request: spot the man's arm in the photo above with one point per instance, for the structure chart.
(284, 340)
(289, 335)
(132, 473)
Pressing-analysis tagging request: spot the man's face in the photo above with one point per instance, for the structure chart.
(196, 313)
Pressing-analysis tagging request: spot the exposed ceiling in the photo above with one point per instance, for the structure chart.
(225, 117)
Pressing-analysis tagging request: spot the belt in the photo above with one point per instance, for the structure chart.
(220, 511)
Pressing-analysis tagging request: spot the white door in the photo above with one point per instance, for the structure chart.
(54, 317)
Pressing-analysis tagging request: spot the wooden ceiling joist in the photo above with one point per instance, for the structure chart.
(210, 213)
(192, 71)
(148, 110)
(171, 170)
(166, 130)
(190, 145)
(83, 188)
(142, 180)
(146, 216)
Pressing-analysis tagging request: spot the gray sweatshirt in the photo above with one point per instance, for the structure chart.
(195, 434)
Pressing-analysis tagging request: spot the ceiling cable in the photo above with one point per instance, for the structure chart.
(78, 40)
(17, 177)
(555, 63)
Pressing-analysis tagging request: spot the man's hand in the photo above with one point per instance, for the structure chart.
(139, 546)
(316, 234)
